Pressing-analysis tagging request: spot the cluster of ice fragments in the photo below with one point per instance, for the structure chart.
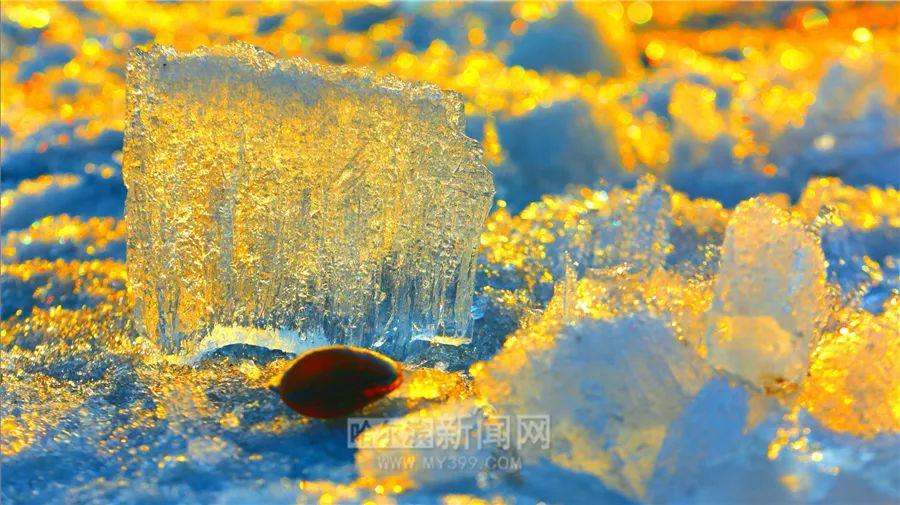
(693, 374)
(271, 201)
(326, 202)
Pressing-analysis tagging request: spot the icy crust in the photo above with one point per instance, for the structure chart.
(327, 201)
(616, 356)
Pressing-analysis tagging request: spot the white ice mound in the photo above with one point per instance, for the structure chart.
(609, 387)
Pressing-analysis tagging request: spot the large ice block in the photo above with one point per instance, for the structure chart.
(284, 195)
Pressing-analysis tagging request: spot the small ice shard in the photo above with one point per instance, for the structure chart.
(635, 234)
(278, 194)
(768, 298)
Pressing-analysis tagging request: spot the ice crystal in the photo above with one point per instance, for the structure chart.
(769, 295)
(280, 194)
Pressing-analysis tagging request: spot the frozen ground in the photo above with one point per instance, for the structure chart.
(691, 343)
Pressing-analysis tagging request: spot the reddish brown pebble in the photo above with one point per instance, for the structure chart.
(335, 381)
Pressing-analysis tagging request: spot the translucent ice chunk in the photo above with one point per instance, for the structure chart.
(280, 194)
(636, 232)
(769, 294)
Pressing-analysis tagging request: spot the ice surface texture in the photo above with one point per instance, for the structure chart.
(281, 194)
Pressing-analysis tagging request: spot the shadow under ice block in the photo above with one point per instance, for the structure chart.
(325, 202)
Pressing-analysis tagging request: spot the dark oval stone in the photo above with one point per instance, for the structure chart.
(335, 381)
